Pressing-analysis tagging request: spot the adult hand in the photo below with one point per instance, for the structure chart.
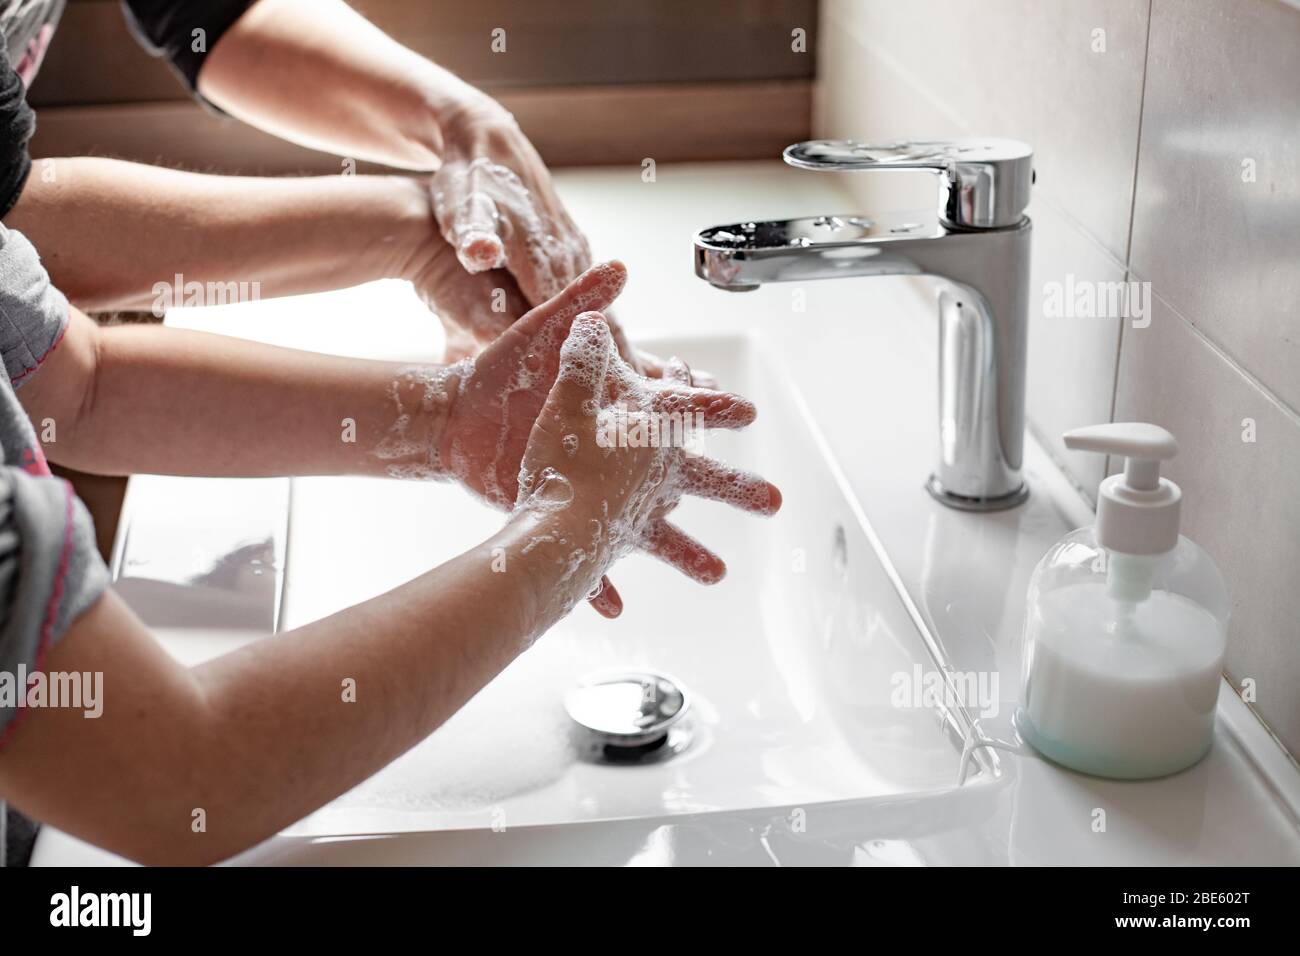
(498, 209)
(474, 307)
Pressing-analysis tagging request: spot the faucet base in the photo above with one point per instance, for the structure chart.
(964, 503)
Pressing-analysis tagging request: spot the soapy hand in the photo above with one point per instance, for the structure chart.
(471, 421)
(612, 494)
(498, 209)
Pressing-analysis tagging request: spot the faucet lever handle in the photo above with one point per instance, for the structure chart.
(985, 182)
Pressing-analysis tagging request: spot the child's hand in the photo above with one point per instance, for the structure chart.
(472, 420)
(499, 395)
(613, 494)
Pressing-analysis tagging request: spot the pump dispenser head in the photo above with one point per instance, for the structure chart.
(1137, 511)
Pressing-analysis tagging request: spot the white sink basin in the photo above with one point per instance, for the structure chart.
(790, 659)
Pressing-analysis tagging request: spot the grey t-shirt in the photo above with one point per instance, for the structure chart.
(50, 571)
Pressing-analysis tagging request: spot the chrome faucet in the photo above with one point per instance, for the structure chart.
(977, 241)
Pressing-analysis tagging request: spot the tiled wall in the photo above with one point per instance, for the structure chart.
(1167, 140)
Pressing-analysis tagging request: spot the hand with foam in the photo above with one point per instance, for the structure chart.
(472, 421)
(603, 497)
(498, 209)
(469, 421)
(497, 396)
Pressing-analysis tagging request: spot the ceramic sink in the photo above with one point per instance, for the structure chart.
(794, 662)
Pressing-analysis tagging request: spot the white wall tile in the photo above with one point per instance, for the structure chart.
(938, 68)
(1071, 361)
(1241, 499)
(1023, 69)
(1210, 83)
(1223, 90)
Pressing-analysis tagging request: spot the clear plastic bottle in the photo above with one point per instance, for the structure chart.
(1126, 626)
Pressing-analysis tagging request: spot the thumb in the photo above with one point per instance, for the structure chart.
(468, 216)
(584, 361)
(595, 289)
(543, 330)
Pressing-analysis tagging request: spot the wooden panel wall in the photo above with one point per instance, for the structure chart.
(591, 81)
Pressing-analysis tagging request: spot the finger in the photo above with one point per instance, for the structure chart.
(675, 370)
(606, 600)
(538, 336)
(593, 291)
(673, 546)
(524, 238)
(630, 355)
(655, 367)
(584, 361)
(544, 248)
(705, 407)
(702, 378)
(652, 366)
(469, 216)
(707, 478)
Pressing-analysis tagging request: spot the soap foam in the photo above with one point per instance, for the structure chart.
(512, 737)
(552, 491)
(531, 366)
(480, 202)
(423, 392)
(651, 484)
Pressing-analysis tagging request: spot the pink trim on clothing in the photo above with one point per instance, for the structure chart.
(30, 63)
(51, 607)
(34, 463)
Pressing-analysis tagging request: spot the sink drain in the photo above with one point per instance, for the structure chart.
(629, 717)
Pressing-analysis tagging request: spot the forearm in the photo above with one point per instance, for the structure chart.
(261, 737)
(172, 401)
(116, 235)
(318, 73)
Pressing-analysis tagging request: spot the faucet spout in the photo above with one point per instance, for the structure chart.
(983, 309)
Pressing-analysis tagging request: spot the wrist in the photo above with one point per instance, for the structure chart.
(411, 236)
(558, 556)
(439, 104)
(418, 434)
(466, 117)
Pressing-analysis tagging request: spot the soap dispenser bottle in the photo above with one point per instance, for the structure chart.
(1126, 625)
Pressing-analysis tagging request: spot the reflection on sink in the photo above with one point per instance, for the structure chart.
(790, 660)
(233, 581)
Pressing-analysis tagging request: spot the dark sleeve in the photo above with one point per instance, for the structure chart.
(182, 30)
(17, 123)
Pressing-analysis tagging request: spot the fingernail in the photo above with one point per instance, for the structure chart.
(481, 250)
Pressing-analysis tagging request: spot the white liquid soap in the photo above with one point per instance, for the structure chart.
(1125, 628)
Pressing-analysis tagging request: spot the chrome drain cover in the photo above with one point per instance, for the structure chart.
(630, 716)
